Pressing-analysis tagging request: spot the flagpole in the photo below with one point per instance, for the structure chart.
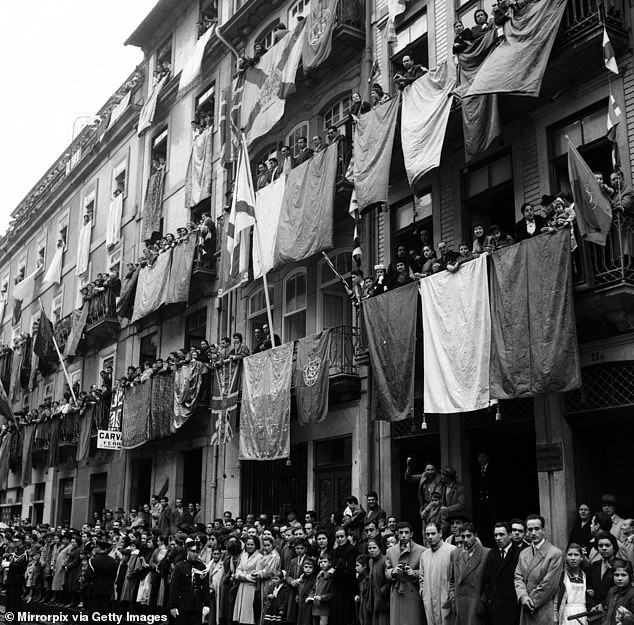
(59, 355)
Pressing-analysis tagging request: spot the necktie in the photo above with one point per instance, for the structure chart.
(502, 554)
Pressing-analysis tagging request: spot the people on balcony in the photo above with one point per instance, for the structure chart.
(530, 224)
(358, 106)
(288, 162)
(482, 24)
(274, 169)
(305, 153)
(462, 37)
(318, 144)
(412, 71)
(377, 95)
(622, 196)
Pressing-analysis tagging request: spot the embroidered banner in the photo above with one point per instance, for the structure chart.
(136, 415)
(188, 380)
(162, 404)
(312, 379)
(266, 404)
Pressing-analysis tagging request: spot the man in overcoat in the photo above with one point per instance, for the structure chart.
(537, 575)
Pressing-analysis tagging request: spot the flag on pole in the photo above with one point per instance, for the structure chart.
(592, 206)
(44, 345)
(241, 218)
(614, 117)
(609, 60)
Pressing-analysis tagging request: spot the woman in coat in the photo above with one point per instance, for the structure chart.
(344, 583)
(245, 611)
(379, 585)
(228, 584)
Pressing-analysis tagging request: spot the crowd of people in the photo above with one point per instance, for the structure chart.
(361, 566)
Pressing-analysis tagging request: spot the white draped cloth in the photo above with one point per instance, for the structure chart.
(53, 274)
(190, 73)
(268, 205)
(83, 249)
(113, 225)
(456, 338)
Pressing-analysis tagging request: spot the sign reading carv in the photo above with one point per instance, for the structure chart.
(109, 439)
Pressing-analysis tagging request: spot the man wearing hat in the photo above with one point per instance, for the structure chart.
(380, 282)
(100, 577)
(189, 597)
(608, 505)
(15, 563)
(452, 491)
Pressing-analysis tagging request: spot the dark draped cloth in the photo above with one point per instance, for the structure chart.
(25, 363)
(480, 114)
(5, 451)
(162, 404)
(125, 307)
(28, 434)
(52, 446)
(180, 271)
(533, 333)
(79, 319)
(312, 379)
(15, 372)
(153, 205)
(86, 419)
(390, 326)
(136, 415)
(188, 381)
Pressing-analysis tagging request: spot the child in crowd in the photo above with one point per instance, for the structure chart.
(619, 605)
(323, 591)
(276, 602)
(572, 588)
(306, 593)
(363, 599)
(464, 255)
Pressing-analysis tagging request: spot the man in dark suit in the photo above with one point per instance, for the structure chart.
(100, 577)
(17, 562)
(165, 517)
(178, 512)
(529, 225)
(189, 597)
(484, 498)
(537, 575)
(499, 578)
(469, 565)
(305, 153)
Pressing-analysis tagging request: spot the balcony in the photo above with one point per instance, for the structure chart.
(100, 419)
(348, 33)
(583, 21)
(604, 283)
(62, 331)
(102, 324)
(345, 384)
(204, 273)
(69, 428)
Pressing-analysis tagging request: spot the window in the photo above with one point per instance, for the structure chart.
(114, 261)
(299, 9)
(301, 130)
(35, 322)
(334, 306)
(149, 348)
(62, 228)
(75, 378)
(159, 146)
(206, 103)
(82, 281)
(587, 132)
(49, 391)
(488, 190)
(106, 361)
(90, 200)
(267, 35)
(411, 218)
(337, 114)
(263, 157)
(465, 10)
(56, 308)
(196, 328)
(295, 306)
(257, 311)
(164, 56)
(120, 177)
(413, 41)
(209, 9)
(40, 261)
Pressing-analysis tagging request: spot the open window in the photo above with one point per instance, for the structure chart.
(196, 328)
(62, 229)
(465, 10)
(257, 311)
(82, 281)
(412, 224)
(208, 15)
(164, 57)
(298, 11)
(294, 306)
(412, 40)
(300, 130)
(489, 196)
(206, 107)
(334, 307)
(120, 177)
(89, 204)
(159, 148)
(267, 35)
(21, 273)
(108, 359)
(114, 260)
(56, 307)
(148, 351)
(337, 114)
(40, 261)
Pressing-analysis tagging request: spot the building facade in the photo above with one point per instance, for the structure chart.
(543, 450)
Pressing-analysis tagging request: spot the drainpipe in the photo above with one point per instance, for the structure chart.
(214, 482)
(368, 52)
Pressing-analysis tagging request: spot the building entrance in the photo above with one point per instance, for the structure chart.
(192, 476)
(141, 483)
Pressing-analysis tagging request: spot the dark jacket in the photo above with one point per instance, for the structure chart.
(305, 155)
(499, 586)
(601, 586)
(520, 228)
(101, 573)
(189, 592)
(17, 568)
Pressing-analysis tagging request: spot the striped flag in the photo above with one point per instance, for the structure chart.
(235, 268)
(608, 54)
(614, 117)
